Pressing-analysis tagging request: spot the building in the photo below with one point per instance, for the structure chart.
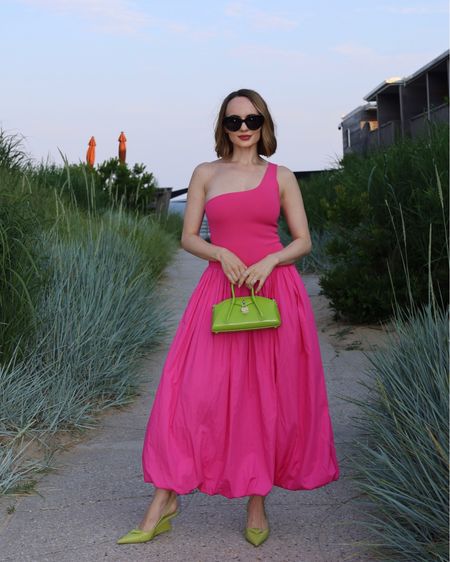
(398, 107)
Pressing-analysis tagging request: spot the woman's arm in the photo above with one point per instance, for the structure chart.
(191, 241)
(294, 211)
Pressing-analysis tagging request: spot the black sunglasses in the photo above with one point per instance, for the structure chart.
(234, 123)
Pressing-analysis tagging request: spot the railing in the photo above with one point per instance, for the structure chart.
(178, 206)
(418, 123)
(389, 132)
(440, 113)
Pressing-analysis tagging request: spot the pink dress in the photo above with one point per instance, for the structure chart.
(237, 413)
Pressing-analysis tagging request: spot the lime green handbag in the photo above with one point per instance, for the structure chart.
(245, 313)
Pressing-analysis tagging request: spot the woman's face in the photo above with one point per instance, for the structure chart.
(244, 137)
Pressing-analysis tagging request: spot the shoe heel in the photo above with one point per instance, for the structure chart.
(163, 527)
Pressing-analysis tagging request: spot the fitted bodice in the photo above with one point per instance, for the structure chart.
(246, 222)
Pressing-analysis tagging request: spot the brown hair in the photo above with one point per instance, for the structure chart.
(267, 144)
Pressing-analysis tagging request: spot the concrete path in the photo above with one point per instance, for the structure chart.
(97, 492)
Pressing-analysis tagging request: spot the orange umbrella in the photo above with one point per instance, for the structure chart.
(90, 154)
(122, 147)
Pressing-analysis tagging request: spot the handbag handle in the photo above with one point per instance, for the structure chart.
(234, 299)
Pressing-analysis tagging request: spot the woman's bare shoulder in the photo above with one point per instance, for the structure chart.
(206, 169)
(284, 173)
(286, 180)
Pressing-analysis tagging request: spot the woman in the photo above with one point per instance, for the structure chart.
(237, 413)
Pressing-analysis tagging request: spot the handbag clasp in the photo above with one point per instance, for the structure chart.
(244, 307)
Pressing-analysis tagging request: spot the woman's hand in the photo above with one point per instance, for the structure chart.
(258, 272)
(232, 266)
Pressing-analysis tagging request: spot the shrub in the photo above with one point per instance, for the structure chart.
(20, 279)
(131, 187)
(388, 215)
(319, 194)
(402, 467)
(79, 305)
(317, 260)
(172, 223)
(12, 154)
(76, 184)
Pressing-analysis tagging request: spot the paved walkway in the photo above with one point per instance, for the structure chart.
(97, 492)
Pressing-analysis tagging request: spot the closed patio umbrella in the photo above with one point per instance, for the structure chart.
(122, 147)
(90, 154)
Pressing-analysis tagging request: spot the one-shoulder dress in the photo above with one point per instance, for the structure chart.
(240, 412)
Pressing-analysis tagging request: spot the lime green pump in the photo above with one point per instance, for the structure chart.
(256, 536)
(137, 535)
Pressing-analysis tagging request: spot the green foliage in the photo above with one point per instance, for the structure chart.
(131, 187)
(12, 155)
(20, 279)
(16, 470)
(402, 467)
(386, 215)
(317, 260)
(112, 185)
(99, 313)
(319, 194)
(172, 223)
(79, 303)
(156, 245)
(76, 184)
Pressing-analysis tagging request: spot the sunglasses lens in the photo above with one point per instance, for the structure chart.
(254, 122)
(232, 123)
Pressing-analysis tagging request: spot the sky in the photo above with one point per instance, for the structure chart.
(159, 71)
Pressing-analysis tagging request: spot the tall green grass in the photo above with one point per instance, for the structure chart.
(317, 261)
(20, 278)
(386, 218)
(13, 156)
(17, 467)
(80, 307)
(172, 223)
(365, 206)
(75, 184)
(99, 314)
(402, 466)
